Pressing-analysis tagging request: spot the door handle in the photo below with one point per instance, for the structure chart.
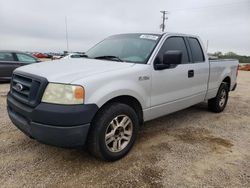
(190, 73)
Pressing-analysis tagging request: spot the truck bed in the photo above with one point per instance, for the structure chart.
(219, 70)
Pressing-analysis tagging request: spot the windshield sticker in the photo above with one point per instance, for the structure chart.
(150, 37)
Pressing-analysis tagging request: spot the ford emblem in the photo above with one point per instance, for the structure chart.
(19, 87)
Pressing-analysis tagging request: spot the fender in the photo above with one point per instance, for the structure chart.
(118, 88)
(225, 73)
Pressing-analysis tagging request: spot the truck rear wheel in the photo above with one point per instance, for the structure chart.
(219, 103)
(113, 132)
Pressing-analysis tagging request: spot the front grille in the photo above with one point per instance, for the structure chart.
(27, 88)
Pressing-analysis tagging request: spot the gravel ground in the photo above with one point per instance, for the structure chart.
(190, 148)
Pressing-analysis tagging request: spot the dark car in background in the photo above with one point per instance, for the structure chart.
(10, 60)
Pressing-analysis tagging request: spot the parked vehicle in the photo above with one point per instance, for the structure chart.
(10, 60)
(73, 56)
(56, 57)
(123, 81)
(41, 55)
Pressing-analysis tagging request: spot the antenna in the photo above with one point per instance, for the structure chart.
(66, 29)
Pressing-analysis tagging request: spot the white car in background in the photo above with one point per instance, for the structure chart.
(73, 56)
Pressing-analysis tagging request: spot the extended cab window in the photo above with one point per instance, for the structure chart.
(174, 43)
(196, 50)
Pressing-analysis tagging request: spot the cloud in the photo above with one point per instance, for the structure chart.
(40, 25)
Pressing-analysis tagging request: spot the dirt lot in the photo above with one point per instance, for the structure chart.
(190, 148)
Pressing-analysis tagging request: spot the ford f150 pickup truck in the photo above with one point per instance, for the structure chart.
(102, 99)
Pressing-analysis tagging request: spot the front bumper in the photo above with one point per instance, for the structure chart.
(59, 125)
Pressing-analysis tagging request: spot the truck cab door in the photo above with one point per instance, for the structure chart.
(176, 87)
(200, 66)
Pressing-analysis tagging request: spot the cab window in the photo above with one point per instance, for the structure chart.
(197, 52)
(174, 43)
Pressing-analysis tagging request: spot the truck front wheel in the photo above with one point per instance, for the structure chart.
(218, 103)
(113, 131)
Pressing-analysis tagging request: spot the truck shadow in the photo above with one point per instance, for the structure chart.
(186, 126)
(4, 82)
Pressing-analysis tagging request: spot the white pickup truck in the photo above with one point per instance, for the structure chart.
(102, 99)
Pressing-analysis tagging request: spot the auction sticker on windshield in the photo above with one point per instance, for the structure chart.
(151, 37)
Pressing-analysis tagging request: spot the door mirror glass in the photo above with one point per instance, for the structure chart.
(172, 57)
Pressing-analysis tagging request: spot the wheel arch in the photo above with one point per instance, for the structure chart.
(227, 80)
(128, 100)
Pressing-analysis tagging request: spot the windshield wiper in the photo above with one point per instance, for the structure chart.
(109, 57)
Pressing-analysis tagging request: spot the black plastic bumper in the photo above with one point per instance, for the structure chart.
(59, 125)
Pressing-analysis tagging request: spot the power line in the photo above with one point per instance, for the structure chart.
(164, 18)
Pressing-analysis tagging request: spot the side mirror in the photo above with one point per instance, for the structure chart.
(169, 58)
(172, 57)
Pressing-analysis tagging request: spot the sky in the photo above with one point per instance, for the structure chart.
(32, 25)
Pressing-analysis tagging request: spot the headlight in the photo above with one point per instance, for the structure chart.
(63, 94)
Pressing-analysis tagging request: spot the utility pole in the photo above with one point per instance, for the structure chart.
(66, 29)
(164, 18)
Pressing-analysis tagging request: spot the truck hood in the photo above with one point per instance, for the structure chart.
(67, 71)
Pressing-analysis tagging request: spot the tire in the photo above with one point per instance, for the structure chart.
(219, 103)
(113, 132)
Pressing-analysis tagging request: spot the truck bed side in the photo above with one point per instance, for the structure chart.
(219, 70)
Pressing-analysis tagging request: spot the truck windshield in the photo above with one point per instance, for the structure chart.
(135, 48)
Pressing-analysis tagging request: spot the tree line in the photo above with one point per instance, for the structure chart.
(231, 55)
